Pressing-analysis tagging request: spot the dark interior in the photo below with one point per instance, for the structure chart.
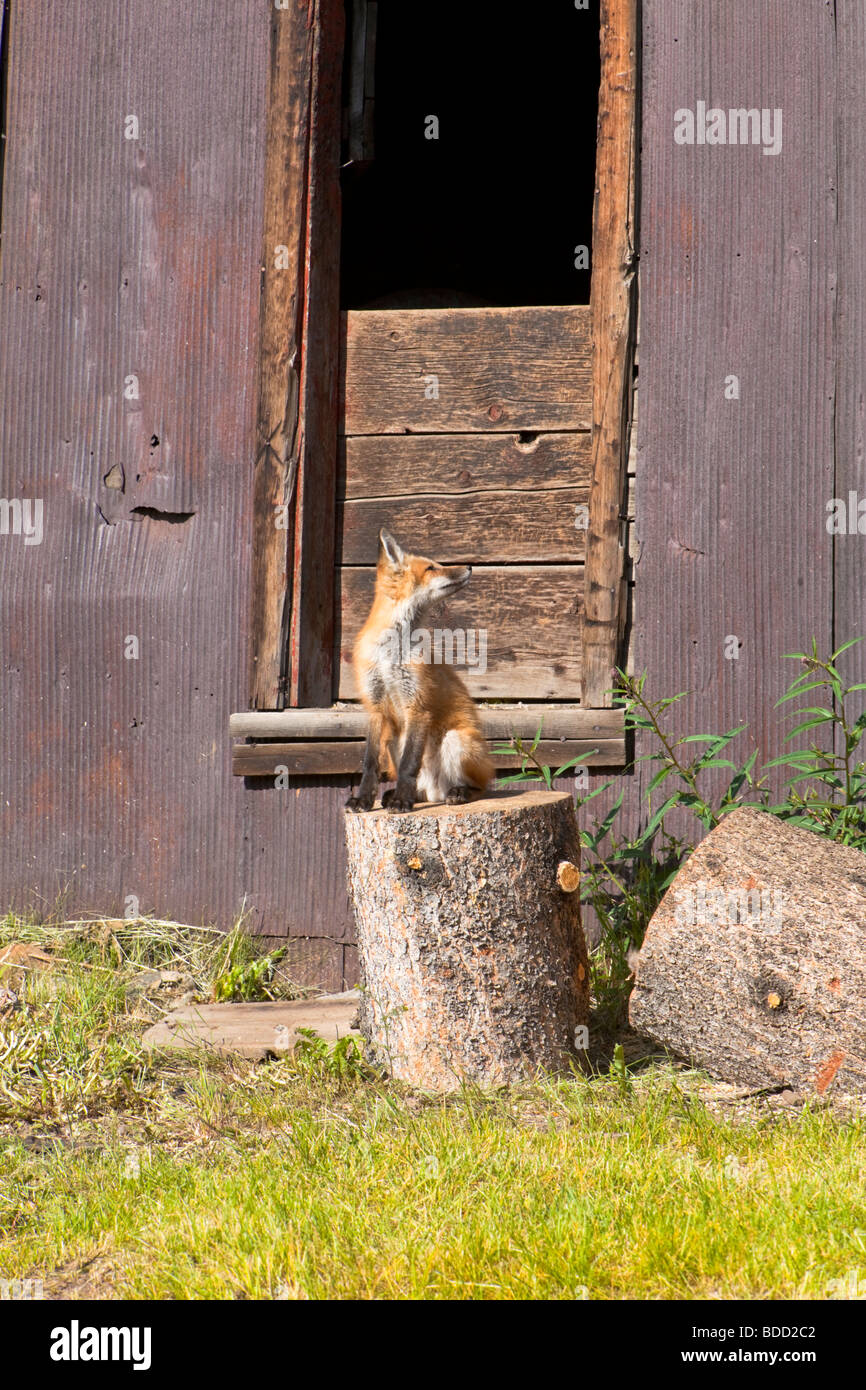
(491, 212)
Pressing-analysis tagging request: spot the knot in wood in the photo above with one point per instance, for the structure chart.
(771, 993)
(568, 876)
(418, 865)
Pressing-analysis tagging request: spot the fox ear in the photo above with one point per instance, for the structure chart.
(389, 550)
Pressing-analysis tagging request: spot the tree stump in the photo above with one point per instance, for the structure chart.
(754, 964)
(473, 961)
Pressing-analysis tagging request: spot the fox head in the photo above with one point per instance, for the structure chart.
(413, 581)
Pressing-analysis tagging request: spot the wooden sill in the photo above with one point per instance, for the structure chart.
(331, 741)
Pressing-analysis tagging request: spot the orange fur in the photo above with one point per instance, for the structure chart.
(413, 695)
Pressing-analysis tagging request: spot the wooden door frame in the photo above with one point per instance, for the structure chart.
(613, 307)
(294, 492)
(295, 474)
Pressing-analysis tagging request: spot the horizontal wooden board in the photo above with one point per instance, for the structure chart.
(481, 528)
(438, 371)
(345, 756)
(500, 721)
(405, 464)
(530, 614)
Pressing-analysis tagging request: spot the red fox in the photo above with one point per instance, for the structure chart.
(424, 727)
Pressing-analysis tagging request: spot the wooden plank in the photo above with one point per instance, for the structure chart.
(299, 724)
(151, 268)
(312, 619)
(612, 305)
(444, 371)
(316, 961)
(529, 614)
(346, 755)
(556, 721)
(370, 80)
(337, 758)
(724, 549)
(266, 1028)
(359, 113)
(4, 63)
(401, 465)
(351, 972)
(474, 528)
(281, 331)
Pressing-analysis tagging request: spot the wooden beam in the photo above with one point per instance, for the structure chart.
(555, 721)
(360, 128)
(475, 528)
(312, 622)
(446, 371)
(613, 323)
(344, 757)
(280, 338)
(398, 465)
(294, 475)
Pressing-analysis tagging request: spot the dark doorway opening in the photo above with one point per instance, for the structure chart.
(493, 211)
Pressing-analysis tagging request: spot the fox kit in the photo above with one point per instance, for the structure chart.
(424, 728)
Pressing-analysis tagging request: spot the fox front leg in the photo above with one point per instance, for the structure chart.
(366, 793)
(402, 798)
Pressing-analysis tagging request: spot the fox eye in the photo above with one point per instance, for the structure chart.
(429, 568)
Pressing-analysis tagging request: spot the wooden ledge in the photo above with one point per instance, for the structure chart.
(314, 742)
(502, 803)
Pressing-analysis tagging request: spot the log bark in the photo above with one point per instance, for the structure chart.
(754, 964)
(473, 961)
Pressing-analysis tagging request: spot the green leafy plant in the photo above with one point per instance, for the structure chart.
(624, 879)
(619, 1072)
(827, 788)
(532, 769)
(342, 1059)
(242, 975)
(708, 807)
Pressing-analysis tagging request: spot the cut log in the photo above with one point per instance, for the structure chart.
(473, 962)
(754, 964)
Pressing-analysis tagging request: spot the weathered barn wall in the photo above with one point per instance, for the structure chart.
(142, 257)
(850, 417)
(139, 257)
(742, 258)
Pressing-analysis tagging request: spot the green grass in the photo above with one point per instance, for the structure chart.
(194, 1177)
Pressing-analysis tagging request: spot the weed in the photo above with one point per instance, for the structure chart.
(243, 976)
(343, 1060)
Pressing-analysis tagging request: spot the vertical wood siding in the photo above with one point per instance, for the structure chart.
(738, 272)
(850, 472)
(142, 257)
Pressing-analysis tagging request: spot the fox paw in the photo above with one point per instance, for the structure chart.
(458, 796)
(360, 803)
(398, 803)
